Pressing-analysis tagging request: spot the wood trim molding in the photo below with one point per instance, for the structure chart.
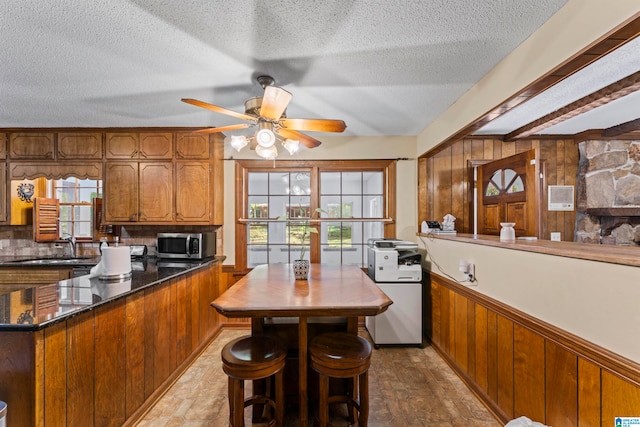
(54, 170)
(600, 356)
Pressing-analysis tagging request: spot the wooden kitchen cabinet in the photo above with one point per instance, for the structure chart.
(31, 145)
(191, 145)
(79, 145)
(60, 375)
(139, 145)
(138, 192)
(3, 192)
(156, 192)
(193, 192)
(120, 192)
(3, 145)
(33, 275)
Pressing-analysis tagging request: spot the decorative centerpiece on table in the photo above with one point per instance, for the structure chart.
(301, 265)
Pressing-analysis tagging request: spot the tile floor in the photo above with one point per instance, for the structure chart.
(409, 386)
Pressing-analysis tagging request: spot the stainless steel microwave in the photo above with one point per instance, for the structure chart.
(187, 245)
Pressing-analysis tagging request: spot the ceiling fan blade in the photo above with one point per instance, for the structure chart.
(224, 128)
(274, 102)
(305, 140)
(217, 109)
(314, 125)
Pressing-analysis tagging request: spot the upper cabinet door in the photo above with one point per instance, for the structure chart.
(79, 145)
(134, 145)
(193, 195)
(156, 192)
(3, 145)
(120, 189)
(191, 145)
(32, 145)
(121, 145)
(156, 145)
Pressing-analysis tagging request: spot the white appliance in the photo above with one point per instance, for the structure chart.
(396, 268)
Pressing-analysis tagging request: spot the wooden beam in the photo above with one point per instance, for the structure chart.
(623, 128)
(617, 90)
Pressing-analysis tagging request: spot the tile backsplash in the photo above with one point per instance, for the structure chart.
(18, 240)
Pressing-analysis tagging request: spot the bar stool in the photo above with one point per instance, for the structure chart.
(342, 355)
(254, 358)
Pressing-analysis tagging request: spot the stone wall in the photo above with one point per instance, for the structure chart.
(608, 178)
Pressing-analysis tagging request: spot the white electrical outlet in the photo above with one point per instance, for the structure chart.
(556, 236)
(468, 269)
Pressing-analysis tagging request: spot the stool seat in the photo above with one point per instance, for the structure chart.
(253, 358)
(341, 352)
(342, 355)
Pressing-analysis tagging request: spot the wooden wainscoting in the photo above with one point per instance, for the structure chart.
(521, 366)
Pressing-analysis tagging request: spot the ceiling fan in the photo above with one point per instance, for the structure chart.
(268, 114)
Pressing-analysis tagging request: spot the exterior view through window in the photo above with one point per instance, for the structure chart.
(353, 201)
(504, 181)
(76, 205)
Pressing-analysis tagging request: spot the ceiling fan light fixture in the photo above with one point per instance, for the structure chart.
(267, 153)
(239, 142)
(265, 136)
(291, 145)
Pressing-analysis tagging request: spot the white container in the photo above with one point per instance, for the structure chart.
(3, 414)
(116, 263)
(507, 233)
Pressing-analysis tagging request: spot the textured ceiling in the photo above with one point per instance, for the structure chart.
(384, 67)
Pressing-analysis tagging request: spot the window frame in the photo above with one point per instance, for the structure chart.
(244, 167)
(99, 189)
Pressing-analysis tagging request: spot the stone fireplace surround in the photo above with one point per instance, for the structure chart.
(608, 192)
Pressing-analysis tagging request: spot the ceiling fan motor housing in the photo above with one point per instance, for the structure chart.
(252, 107)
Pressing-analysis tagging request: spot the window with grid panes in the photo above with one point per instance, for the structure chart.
(76, 205)
(354, 198)
(355, 195)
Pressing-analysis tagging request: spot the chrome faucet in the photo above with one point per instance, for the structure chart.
(72, 244)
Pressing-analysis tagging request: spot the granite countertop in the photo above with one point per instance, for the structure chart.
(38, 306)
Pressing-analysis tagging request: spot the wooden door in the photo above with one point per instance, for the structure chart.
(156, 192)
(507, 193)
(193, 199)
(121, 192)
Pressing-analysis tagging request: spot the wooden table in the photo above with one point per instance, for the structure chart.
(331, 290)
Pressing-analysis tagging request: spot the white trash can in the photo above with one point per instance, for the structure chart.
(3, 414)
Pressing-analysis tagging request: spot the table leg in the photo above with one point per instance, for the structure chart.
(352, 325)
(302, 367)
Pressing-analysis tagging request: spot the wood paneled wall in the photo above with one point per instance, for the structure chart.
(445, 184)
(520, 366)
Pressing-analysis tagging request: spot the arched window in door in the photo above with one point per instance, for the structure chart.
(507, 193)
(504, 181)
